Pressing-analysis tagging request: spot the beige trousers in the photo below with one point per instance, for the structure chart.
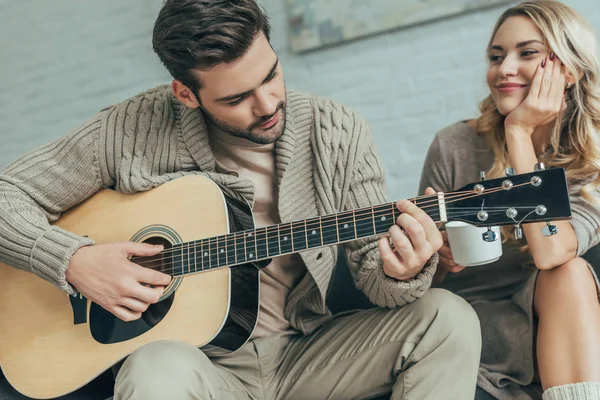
(429, 349)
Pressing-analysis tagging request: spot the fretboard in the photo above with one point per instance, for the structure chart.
(271, 241)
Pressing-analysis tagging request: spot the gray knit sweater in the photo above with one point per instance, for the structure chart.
(326, 162)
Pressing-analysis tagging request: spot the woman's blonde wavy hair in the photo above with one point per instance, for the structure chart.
(574, 142)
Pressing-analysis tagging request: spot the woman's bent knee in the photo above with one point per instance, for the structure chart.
(570, 282)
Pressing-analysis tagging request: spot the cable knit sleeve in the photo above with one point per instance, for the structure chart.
(367, 189)
(35, 189)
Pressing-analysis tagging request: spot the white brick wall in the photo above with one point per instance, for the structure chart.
(62, 60)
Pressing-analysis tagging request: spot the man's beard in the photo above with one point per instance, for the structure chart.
(275, 131)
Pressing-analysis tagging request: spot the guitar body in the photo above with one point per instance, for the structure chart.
(52, 343)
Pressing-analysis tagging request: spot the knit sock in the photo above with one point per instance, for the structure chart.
(574, 391)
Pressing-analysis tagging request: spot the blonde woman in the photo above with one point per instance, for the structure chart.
(538, 305)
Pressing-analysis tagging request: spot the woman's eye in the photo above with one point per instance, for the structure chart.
(527, 53)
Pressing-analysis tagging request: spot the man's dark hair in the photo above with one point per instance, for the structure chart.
(199, 34)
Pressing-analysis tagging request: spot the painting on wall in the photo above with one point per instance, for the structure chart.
(317, 23)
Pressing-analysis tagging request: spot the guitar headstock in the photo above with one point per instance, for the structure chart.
(539, 196)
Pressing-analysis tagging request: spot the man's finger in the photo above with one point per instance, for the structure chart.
(414, 231)
(125, 314)
(389, 257)
(432, 233)
(149, 295)
(402, 245)
(134, 305)
(152, 277)
(142, 249)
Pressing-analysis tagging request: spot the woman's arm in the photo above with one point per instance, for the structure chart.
(547, 251)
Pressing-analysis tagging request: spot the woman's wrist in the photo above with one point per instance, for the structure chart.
(517, 131)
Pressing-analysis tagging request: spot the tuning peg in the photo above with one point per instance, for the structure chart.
(539, 167)
(509, 171)
(489, 236)
(549, 229)
(482, 175)
(518, 232)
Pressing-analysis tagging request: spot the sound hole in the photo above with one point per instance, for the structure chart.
(160, 262)
(106, 328)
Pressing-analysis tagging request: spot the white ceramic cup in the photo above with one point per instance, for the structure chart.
(468, 247)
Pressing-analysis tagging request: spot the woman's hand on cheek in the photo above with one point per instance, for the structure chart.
(544, 100)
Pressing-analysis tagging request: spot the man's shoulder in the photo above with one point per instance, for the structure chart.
(147, 101)
(330, 117)
(320, 104)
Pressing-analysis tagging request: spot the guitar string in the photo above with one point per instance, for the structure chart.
(210, 268)
(263, 247)
(365, 211)
(242, 234)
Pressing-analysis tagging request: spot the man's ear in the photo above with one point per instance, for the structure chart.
(184, 94)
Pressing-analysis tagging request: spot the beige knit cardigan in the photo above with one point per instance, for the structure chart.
(326, 162)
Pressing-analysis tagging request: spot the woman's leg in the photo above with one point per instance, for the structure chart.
(568, 337)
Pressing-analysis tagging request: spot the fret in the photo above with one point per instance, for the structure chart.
(200, 255)
(354, 220)
(212, 253)
(199, 260)
(299, 239)
(178, 257)
(329, 233)
(364, 223)
(313, 232)
(230, 244)
(273, 246)
(189, 258)
(195, 261)
(255, 244)
(185, 259)
(221, 251)
(250, 239)
(226, 255)
(321, 228)
(240, 247)
(383, 219)
(204, 254)
(306, 233)
(345, 226)
(194, 266)
(261, 244)
(286, 244)
(431, 209)
(373, 219)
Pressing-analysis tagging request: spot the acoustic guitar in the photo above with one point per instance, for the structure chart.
(52, 344)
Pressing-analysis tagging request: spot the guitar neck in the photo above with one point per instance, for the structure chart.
(291, 237)
(514, 200)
